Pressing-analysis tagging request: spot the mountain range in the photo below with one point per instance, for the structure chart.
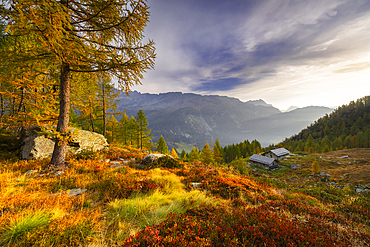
(187, 119)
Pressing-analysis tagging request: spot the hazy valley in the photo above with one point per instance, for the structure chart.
(186, 119)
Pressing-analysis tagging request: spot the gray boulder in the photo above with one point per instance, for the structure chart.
(87, 140)
(37, 146)
(295, 167)
(150, 158)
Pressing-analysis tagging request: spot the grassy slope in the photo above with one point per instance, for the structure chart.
(159, 207)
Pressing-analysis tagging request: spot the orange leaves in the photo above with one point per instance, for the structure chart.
(251, 214)
(209, 226)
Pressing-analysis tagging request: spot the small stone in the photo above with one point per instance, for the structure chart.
(294, 167)
(30, 172)
(358, 190)
(117, 164)
(196, 185)
(58, 173)
(75, 192)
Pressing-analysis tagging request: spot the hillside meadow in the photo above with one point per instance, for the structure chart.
(101, 199)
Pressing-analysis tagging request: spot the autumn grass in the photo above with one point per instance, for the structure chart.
(129, 216)
(129, 207)
(24, 226)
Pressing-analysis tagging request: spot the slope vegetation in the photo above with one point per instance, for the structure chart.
(347, 126)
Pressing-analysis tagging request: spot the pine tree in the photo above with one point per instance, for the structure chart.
(326, 149)
(217, 152)
(112, 129)
(194, 154)
(107, 97)
(315, 167)
(183, 154)
(144, 131)
(174, 153)
(124, 125)
(133, 131)
(207, 155)
(92, 36)
(162, 146)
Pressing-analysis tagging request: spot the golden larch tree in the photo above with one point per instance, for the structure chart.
(87, 36)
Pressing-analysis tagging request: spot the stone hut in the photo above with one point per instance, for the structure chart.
(262, 161)
(277, 154)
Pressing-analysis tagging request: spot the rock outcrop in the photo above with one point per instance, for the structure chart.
(87, 140)
(158, 160)
(37, 146)
(150, 158)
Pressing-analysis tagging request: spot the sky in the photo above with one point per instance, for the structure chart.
(286, 52)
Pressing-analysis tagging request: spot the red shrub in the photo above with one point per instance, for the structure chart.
(209, 226)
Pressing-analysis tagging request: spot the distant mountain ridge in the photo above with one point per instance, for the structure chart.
(193, 119)
(258, 102)
(292, 108)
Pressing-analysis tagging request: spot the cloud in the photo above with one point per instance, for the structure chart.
(253, 49)
(353, 68)
(219, 85)
(274, 21)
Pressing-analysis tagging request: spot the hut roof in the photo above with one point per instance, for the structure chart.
(261, 159)
(280, 152)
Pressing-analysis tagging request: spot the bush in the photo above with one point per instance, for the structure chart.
(166, 162)
(240, 165)
(245, 226)
(315, 167)
(116, 186)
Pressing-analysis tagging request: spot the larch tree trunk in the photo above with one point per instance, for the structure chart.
(92, 122)
(104, 120)
(60, 148)
(91, 117)
(21, 101)
(1, 107)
